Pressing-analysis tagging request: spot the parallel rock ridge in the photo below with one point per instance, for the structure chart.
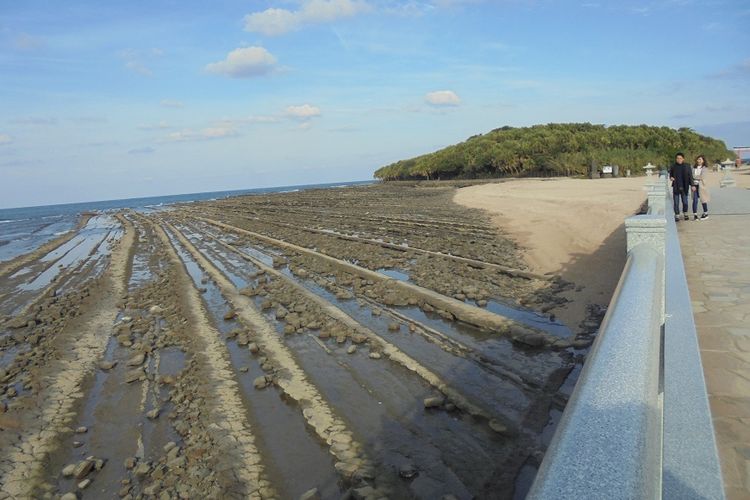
(369, 342)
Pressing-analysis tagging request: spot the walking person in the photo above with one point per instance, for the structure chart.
(700, 191)
(681, 175)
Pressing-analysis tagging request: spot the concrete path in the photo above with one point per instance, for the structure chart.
(717, 263)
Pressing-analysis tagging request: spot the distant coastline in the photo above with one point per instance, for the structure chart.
(141, 202)
(23, 229)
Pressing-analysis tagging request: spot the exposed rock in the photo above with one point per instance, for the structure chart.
(433, 402)
(312, 494)
(130, 463)
(153, 414)
(137, 360)
(69, 496)
(142, 469)
(394, 327)
(408, 471)
(83, 468)
(260, 382)
(107, 365)
(352, 349)
(134, 375)
(375, 355)
(84, 484)
(253, 348)
(69, 470)
(81, 430)
(498, 426)
(230, 315)
(155, 310)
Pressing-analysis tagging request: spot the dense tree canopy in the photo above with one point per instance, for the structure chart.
(557, 149)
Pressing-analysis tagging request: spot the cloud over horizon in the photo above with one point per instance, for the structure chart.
(244, 62)
(5, 139)
(274, 22)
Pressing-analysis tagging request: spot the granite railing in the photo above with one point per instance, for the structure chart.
(638, 424)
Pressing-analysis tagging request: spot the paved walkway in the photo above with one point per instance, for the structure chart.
(717, 264)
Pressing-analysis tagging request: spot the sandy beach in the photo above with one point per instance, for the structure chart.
(573, 228)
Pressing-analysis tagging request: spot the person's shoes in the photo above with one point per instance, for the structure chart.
(686, 216)
(704, 216)
(677, 218)
(695, 217)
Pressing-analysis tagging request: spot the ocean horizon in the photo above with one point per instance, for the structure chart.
(22, 229)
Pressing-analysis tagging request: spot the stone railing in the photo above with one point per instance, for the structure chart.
(638, 424)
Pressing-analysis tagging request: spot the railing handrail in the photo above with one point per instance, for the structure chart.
(620, 436)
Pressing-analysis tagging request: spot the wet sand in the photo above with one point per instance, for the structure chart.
(368, 341)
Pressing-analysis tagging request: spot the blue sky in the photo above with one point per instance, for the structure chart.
(117, 99)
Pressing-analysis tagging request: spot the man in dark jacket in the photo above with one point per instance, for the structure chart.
(681, 176)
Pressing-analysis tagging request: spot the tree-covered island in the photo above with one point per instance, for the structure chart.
(556, 149)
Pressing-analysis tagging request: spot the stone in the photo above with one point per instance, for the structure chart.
(155, 310)
(84, 484)
(169, 446)
(260, 382)
(498, 426)
(81, 430)
(375, 355)
(312, 494)
(153, 414)
(83, 468)
(230, 315)
(352, 349)
(359, 338)
(142, 469)
(69, 496)
(69, 470)
(408, 471)
(253, 348)
(134, 375)
(394, 327)
(107, 365)
(137, 360)
(433, 402)
(482, 303)
(130, 463)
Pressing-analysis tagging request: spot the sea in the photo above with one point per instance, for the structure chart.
(24, 229)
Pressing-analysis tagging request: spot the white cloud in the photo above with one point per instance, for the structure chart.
(303, 112)
(170, 103)
(273, 22)
(244, 62)
(5, 139)
(442, 98)
(205, 134)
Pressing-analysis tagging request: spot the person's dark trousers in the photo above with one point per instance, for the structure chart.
(677, 198)
(696, 197)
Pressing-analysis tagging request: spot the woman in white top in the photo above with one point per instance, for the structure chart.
(701, 191)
